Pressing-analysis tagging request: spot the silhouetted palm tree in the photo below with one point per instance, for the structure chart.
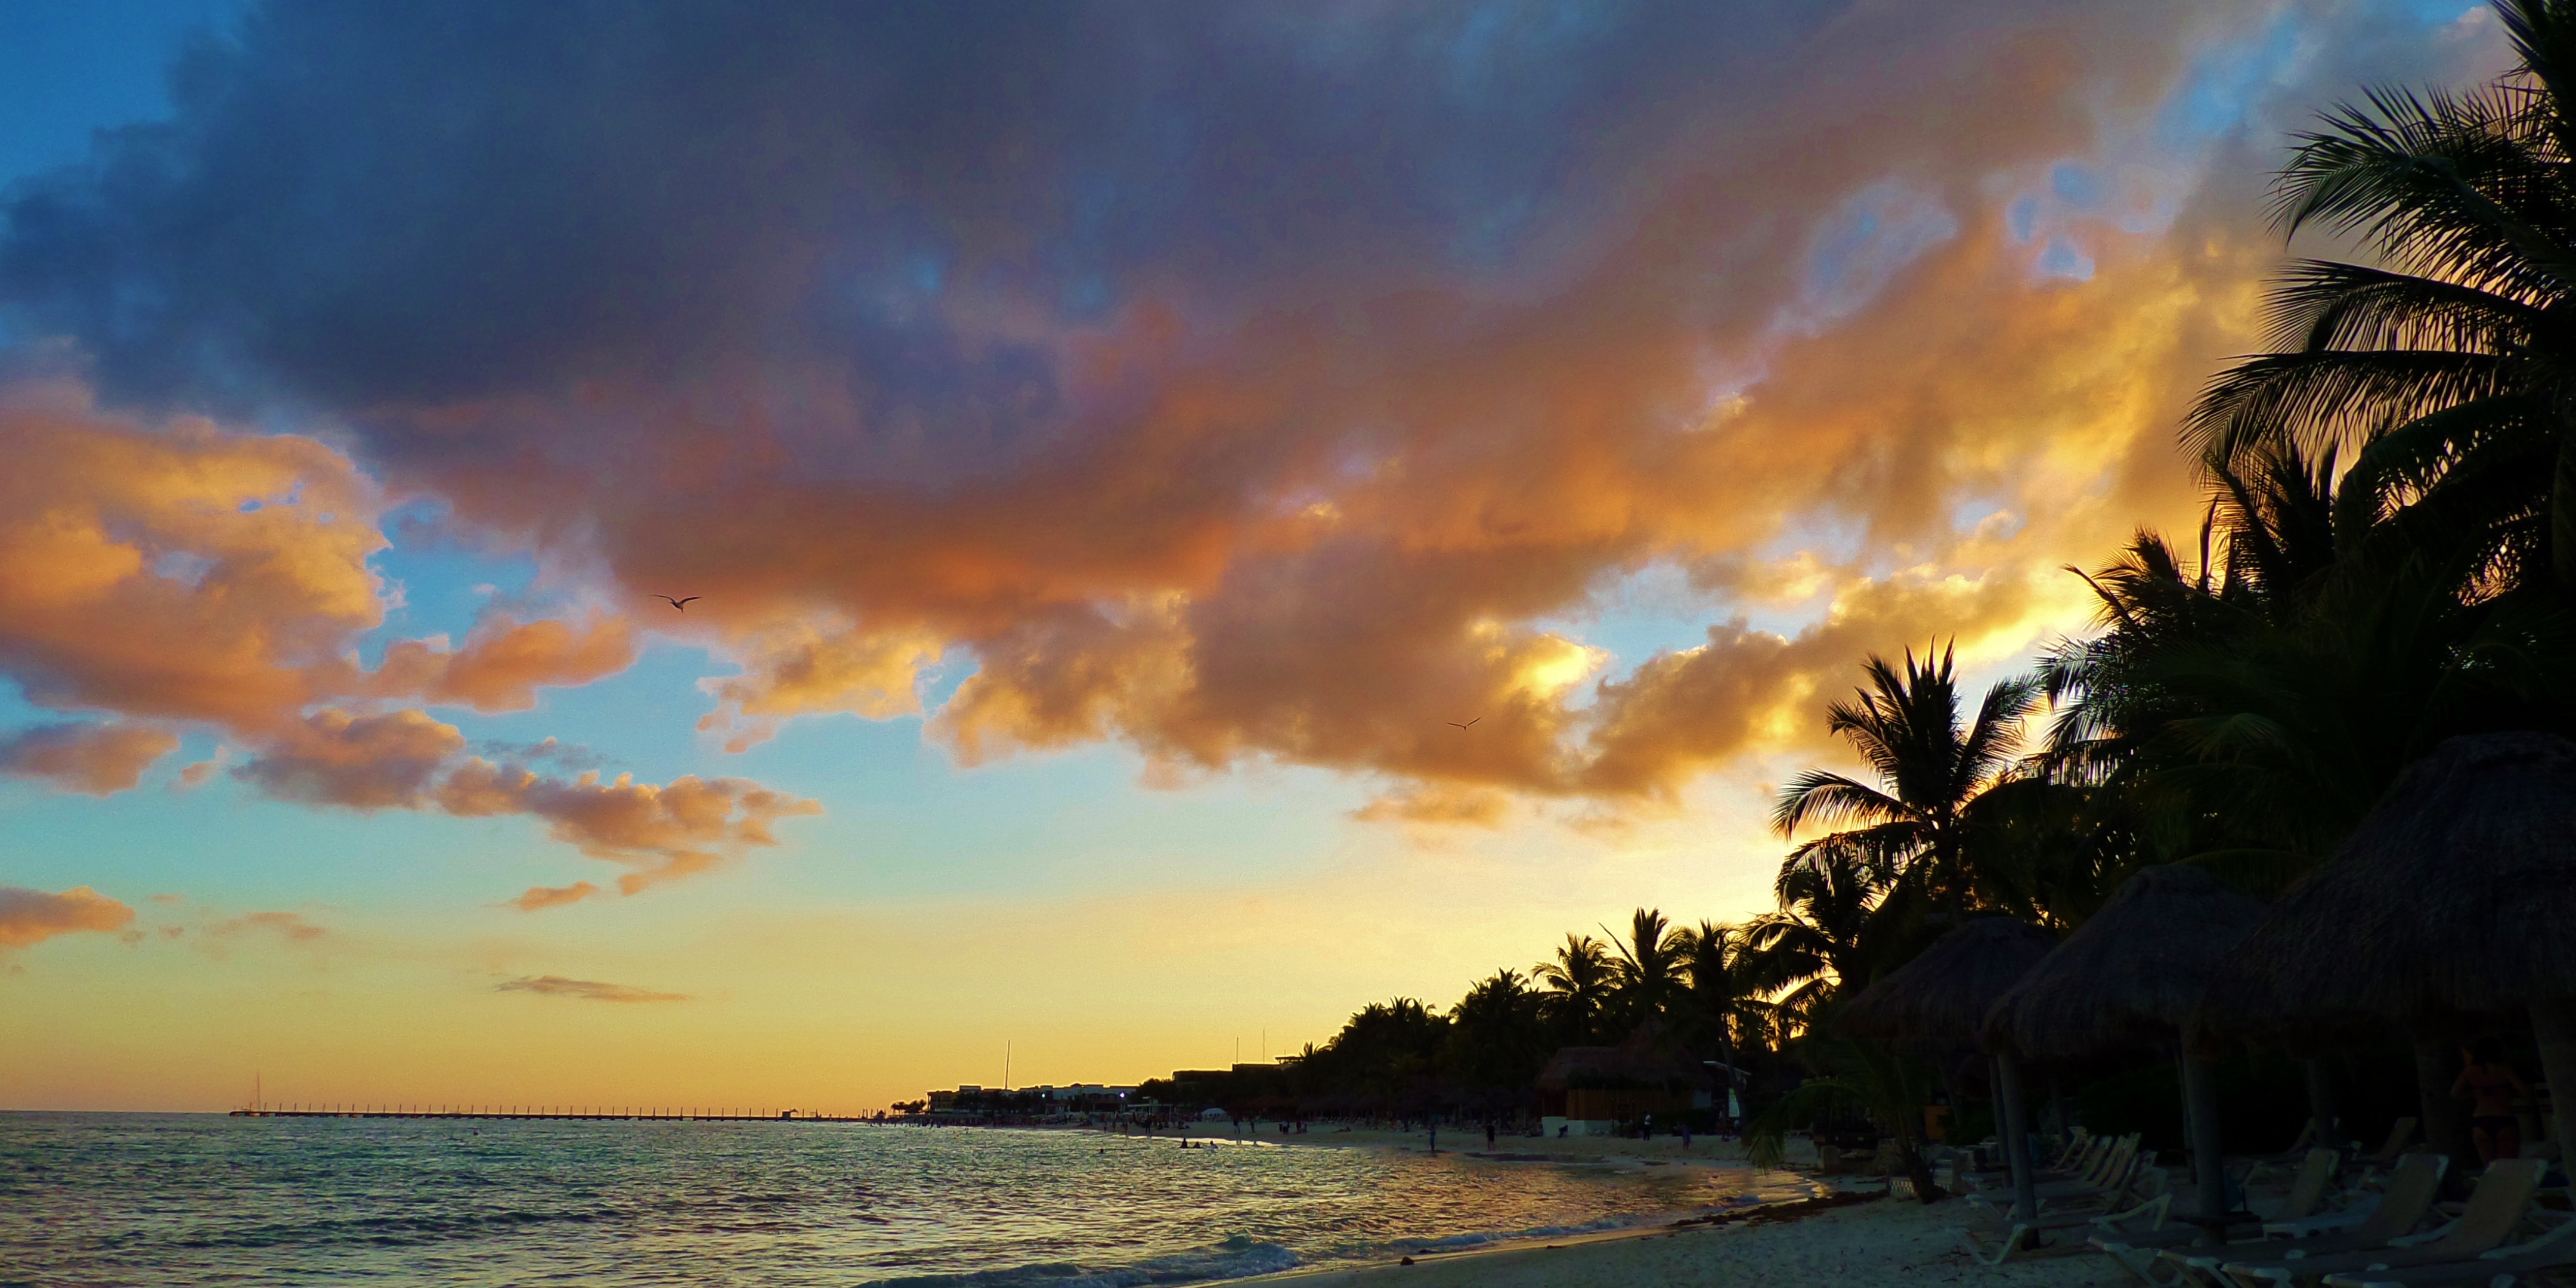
(2245, 713)
(1497, 1038)
(2451, 370)
(1578, 981)
(1717, 960)
(1829, 895)
(1932, 768)
(1647, 972)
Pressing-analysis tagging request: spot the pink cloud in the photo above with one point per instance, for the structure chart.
(96, 759)
(587, 990)
(539, 897)
(32, 916)
(289, 926)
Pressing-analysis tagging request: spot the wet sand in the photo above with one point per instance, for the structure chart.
(1832, 1245)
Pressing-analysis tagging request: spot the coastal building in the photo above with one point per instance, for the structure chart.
(1594, 1090)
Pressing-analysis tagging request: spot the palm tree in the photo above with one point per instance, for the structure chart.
(1495, 1037)
(1717, 960)
(2452, 368)
(1829, 895)
(2246, 713)
(1578, 981)
(1647, 972)
(1916, 823)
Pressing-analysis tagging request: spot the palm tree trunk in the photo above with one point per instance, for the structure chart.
(1917, 1171)
(2321, 1110)
(2562, 514)
(2209, 1166)
(1726, 1052)
(2553, 1026)
(2016, 1134)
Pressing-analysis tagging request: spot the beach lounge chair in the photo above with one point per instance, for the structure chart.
(2135, 1242)
(2285, 1163)
(2554, 1249)
(2412, 1187)
(2111, 1177)
(2496, 1207)
(2076, 1159)
(2400, 1134)
(2147, 1183)
(2087, 1165)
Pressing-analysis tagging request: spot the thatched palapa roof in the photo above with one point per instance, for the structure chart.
(1638, 1060)
(2456, 895)
(1943, 995)
(2133, 973)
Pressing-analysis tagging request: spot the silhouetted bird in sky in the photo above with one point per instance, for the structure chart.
(681, 604)
(1455, 725)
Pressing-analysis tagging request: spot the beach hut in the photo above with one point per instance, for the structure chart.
(2455, 897)
(1590, 1090)
(2130, 977)
(1943, 997)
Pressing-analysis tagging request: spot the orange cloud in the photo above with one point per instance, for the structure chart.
(539, 897)
(1321, 535)
(97, 759)
(186, 574)
(664, 832)
(587, 990)
(360, 762)
(1805, 361)
(801, 668)
(31, 916)
(505, 661)
(289, 926)
(411, 760)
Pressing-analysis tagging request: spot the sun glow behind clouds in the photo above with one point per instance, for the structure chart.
(1222, 402)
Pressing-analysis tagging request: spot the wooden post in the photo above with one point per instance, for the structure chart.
(2446, 1121)
(2321, 1110)
(2209, 1167)
(2016, 1134)
(2553, 1027)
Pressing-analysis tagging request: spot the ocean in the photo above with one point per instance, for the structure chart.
(185, 1199)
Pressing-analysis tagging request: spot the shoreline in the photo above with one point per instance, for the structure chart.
(1781, 1212)
(1832, 1242)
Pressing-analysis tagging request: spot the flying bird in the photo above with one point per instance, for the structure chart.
(681, 604)
(1455, 725)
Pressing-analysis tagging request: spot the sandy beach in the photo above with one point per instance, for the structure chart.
(1879, 1241)
(1861, 1238)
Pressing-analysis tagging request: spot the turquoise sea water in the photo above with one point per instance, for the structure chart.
(183, 1199)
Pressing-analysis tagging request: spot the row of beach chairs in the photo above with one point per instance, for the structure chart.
(2498, 1238)
(2367, 1220)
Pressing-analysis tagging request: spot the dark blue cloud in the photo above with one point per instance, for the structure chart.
(357, 206)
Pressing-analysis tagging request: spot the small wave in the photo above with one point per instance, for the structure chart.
(1457, 1242)
(378, 1230)
(1236, 1258)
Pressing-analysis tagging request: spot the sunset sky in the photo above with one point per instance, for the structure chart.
(1110, 444)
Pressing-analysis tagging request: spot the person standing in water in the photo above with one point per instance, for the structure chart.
(2491, 1086)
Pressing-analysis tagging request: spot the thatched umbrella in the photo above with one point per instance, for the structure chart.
(2131, 976)
(1943, 997)
(2455, 896)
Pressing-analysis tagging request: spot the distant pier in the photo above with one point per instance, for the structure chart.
(558, 1115)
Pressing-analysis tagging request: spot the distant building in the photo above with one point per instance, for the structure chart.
(1590, 1091)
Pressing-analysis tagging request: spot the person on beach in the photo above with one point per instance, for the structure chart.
(2491, 1086)
(1489, 1133)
